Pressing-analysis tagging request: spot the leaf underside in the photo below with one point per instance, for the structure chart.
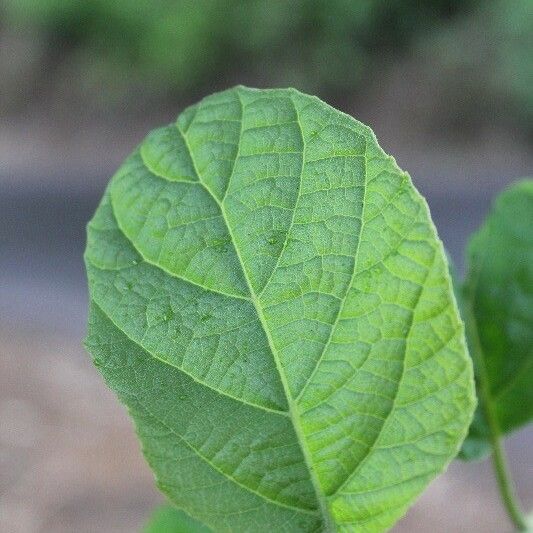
(499, 288)
(270, 300)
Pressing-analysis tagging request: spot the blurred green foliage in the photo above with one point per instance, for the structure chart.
(323, 44)
(486, 57)
(479, 50)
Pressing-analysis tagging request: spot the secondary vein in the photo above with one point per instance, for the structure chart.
(176, 367)
(215, 467)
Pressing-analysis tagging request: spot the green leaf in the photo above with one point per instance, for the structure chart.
(271, 302)
(168, 519)
(477, 443)
(499, 291)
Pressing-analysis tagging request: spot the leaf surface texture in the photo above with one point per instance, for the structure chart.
(271, 302)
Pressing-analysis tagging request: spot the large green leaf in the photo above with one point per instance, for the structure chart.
(271, 302)
(499, 293)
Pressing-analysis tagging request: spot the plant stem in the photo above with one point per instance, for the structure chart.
(505, 483)
(503, 475)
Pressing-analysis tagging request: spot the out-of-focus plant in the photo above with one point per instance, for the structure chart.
(482, 64)
(177, 45)
(496, 305)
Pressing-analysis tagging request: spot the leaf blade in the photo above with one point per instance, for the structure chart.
(498, 289)
(340, 300)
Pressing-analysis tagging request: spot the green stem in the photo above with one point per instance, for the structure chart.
(503, 475)
(505, 483)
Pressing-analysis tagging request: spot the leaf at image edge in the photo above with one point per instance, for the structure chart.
(499, 285)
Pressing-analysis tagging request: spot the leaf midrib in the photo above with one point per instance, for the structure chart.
(293, 410)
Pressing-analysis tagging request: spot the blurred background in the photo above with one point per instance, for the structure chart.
(447, 85)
